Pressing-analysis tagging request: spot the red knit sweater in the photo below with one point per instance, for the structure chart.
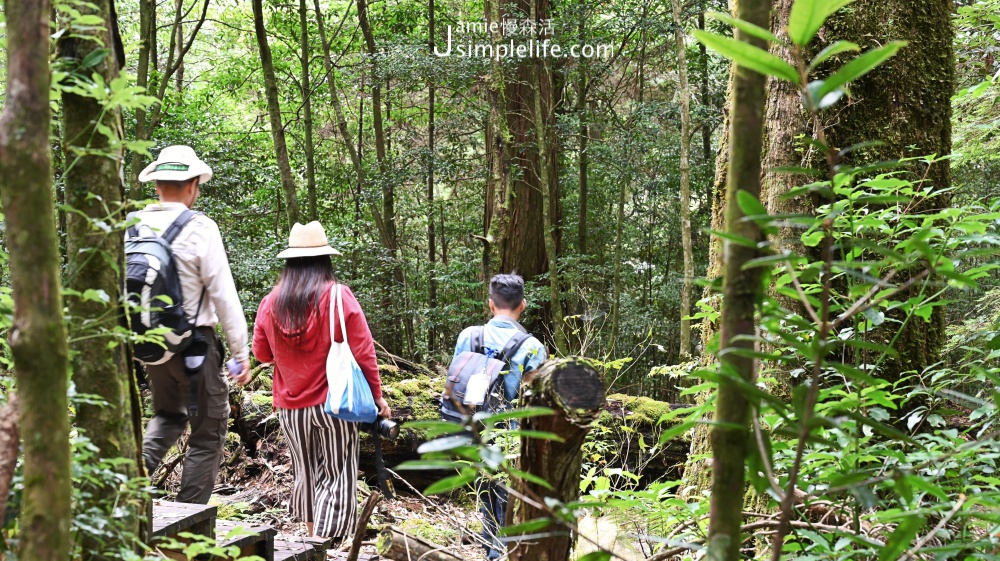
(300, 358)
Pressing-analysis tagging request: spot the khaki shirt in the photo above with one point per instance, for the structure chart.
(202, 265)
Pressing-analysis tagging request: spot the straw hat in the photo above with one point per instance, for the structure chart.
(177, 163)
(307, 241)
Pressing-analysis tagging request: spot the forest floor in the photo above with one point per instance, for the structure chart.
(256, 488)
(255, 479)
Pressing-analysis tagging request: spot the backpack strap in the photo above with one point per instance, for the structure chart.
(512, 346)
(132, 231)
(476, 344)
(179, 223)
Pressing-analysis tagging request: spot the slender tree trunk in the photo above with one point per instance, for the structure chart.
(274, 112)
(496, 213)
(431, 249)
(390, 238)
(548, 210)
(706, 132)
(94, 189)
(741, 290)
(685, 168)
(345, 133)
(175, 59)
(38, 336)
(584, 134)
(307, 110)
(178, 42)
(622, 191)
(147, 42)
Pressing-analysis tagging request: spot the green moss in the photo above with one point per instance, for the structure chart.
(234, 511)
(261, 399)
(421, 394)
(427, 530)
(642, 411)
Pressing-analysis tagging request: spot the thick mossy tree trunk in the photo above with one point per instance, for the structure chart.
(38, 336)
(519, 243)
(575, 390)
(906, 104)
(697, 476)
(94, 189)
(741, 291)
(274, 113)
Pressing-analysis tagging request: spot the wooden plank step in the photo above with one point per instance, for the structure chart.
(299, 548)
(342, 556)
(257, 540)
(170, 518)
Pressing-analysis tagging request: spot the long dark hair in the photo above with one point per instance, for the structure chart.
(300, 287)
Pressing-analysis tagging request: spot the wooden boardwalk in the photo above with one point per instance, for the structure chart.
(171, 519)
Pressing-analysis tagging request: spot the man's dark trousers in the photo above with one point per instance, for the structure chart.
(493, 501)
(206, 409)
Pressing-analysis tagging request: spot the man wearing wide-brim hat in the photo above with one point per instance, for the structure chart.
(198, 394)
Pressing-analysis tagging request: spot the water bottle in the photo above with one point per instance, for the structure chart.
(235, 367)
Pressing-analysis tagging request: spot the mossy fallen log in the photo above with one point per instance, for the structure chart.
(625, 434)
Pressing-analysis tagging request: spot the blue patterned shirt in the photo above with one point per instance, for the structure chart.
(497, 333)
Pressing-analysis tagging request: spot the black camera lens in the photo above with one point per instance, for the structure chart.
(386, 428)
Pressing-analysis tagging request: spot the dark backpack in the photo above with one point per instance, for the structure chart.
(470, 363)
(153, 289)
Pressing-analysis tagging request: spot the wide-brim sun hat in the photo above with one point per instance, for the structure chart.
(176, 163)
(307, 240)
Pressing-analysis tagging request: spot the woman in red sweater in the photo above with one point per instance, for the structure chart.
(293, 331)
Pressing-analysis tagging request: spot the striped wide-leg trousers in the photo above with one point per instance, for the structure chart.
(325, 461)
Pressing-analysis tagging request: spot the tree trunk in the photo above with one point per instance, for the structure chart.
(338, 109)
(906, 104)
(147, 42)
(38, 336)
(741, 290)
(175, 60)
(685, 169)
(178, 42)
(549, 204)
(431, 219)
(274, 112)
(390, 239)
(575, 390)
(706, 133)
(307, 110)
(96, 260)
(521, 243)
(584, 135)
(499, 195)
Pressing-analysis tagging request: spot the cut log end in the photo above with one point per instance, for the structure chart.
(579, 386)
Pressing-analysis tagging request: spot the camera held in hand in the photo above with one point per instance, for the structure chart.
(385, 428)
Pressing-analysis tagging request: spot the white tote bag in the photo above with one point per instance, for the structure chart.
(349, 397)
